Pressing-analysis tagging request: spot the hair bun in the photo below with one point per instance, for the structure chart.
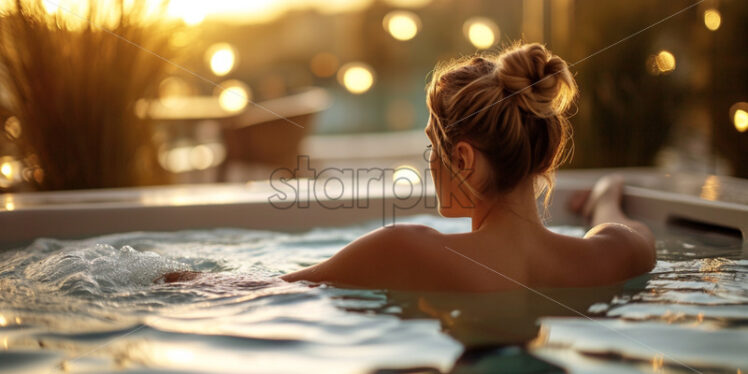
(540, 82)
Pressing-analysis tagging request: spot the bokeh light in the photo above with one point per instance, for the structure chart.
(221, 58)
(324, 64)
(356, 77)
(406, 175)
(178, 160)
(13, 127)
(402, 25)
(665, 61)
(482, 32)
(201, 157)
(661, 63)
(9, 169)
(739, 116)
(233, 95)
(8, 204)
(712, 19)
(185, 158)
(740, 119)
(38, 175)
(6, 169)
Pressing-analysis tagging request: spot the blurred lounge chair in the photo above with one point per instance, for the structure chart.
(259, 139)
(267, 135)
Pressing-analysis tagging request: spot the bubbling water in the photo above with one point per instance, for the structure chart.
(100, 269)
(68, 298)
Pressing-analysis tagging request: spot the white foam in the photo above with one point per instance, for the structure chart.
(100, 267)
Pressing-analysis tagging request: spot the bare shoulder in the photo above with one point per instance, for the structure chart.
(608, 253)
(624, 236)
(408, 242)
(412, 234)
(633, 249)
(388, 257)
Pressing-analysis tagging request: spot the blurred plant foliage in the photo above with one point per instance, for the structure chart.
(72, 78)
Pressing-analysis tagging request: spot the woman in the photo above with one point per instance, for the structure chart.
(497, 126)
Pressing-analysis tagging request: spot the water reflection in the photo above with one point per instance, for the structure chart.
(75, 296)
(710, 189)
(496, 330)
(497, 319)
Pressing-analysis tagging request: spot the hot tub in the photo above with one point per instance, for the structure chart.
(651, 195)
(77, 270)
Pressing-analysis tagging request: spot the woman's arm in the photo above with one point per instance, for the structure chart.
(604, 206)
(613, 232)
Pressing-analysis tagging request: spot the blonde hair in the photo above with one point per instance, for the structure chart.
(512, 107)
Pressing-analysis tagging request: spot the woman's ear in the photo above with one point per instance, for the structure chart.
(464, 158)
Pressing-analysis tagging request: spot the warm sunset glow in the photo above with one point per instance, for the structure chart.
(221, 58)
(712, 19)
(50, 7)
(192, 12)
(195, 12)
(482, 32)
(740, 119)
(356, 77)
(408, 3)
(234, 95)
(402, 25)
(665, 61)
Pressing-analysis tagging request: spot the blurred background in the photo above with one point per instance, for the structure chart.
(115, 93)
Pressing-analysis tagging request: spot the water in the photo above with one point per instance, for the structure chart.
(90, 306)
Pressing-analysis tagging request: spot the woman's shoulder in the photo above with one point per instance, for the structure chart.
(606, 254)
(394, 256)
(406, 230)
(405, 237)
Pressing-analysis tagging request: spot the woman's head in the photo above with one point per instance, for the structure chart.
(496, 122)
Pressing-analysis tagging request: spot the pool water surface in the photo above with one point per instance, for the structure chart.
(91, 306)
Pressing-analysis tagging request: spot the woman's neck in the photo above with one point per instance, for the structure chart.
(508, 212)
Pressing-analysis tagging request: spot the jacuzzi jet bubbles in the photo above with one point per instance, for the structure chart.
(100, 269)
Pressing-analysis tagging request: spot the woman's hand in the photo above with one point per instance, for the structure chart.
(604, 198)
(177, 276)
